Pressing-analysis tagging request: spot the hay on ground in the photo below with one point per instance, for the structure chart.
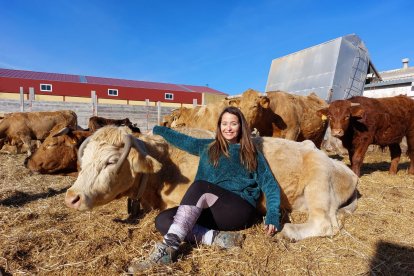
(40, 235)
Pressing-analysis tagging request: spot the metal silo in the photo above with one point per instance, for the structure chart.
(334, 70)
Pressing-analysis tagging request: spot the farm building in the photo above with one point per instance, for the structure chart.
(394, 82)
(334, 70)
(78, 88)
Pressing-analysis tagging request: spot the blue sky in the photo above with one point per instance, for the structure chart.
(226, 44)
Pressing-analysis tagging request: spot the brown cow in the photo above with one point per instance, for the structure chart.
(114, 164)
(23, 127)
(361, 121)
(58, 153)
(280, 114)
(96, 123)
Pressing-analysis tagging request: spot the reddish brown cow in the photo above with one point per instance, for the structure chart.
(361, 121)
(58, 153)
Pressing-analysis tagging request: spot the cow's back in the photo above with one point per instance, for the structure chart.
(299, 114)
(44, 123)
(302, 161)
(388, 119)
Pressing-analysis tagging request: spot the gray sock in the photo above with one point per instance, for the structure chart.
(184, 221)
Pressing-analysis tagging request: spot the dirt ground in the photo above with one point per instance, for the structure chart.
(39, 235)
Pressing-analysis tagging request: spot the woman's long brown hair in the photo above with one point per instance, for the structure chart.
(248, 151)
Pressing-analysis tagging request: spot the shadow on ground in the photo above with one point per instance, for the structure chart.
(392, 259)
(19, 198)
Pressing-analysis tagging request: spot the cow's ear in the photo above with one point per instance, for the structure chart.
(323, 113)
(145, 164)
(357, 112)
(81, 135)
(234, 102)
(264, 101)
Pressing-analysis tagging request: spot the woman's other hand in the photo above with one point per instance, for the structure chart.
(270, 229)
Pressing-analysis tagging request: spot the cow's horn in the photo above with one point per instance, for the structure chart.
(125, 152)
(139, 146)
(63, 131)
(355, 104)
(82, 148)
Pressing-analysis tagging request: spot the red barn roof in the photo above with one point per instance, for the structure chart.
(9, 73)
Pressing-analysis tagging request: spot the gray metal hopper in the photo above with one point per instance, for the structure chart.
(334, 70)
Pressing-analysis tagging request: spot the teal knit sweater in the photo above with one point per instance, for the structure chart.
(230, 174)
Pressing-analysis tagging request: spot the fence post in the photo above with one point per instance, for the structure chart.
(147, 112)
(159, 112)
(194, 103)
(21, 99)
(31, 98)
(94, 103)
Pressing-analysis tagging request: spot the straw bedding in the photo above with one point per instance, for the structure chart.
(40, 235)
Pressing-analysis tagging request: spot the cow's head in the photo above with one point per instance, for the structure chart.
(178, 117)
(58, 152)
(340, 113)
(113, 162)
(259, 114)
(253, 106)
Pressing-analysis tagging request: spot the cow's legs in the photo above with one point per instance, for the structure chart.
(410, 151)
(322, 210)
(291, 133)
(2, 142)
(27, 142)
(395, 151)
(358, 157)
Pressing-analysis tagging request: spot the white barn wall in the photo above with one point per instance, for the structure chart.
(388, 92)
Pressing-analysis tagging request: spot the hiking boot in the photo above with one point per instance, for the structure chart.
(162, 254)
(228, 240)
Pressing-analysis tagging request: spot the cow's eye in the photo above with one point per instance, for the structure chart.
(50, 146)
(347, 117)
(111, 162)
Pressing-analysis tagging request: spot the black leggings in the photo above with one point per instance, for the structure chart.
(229, 212)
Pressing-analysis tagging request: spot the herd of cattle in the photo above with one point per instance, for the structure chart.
(118, 160)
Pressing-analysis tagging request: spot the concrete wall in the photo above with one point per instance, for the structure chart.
(144, 117)
(389, 91)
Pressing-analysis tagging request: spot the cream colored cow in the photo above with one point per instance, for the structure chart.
(115, 164)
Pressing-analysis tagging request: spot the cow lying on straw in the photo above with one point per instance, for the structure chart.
(115, 164)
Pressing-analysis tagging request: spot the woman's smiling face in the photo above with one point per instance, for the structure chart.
(230, 127)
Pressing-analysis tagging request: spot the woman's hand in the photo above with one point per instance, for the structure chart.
(270, 229)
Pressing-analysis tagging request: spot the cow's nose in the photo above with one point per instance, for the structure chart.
(72, 201)
(337, 132)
